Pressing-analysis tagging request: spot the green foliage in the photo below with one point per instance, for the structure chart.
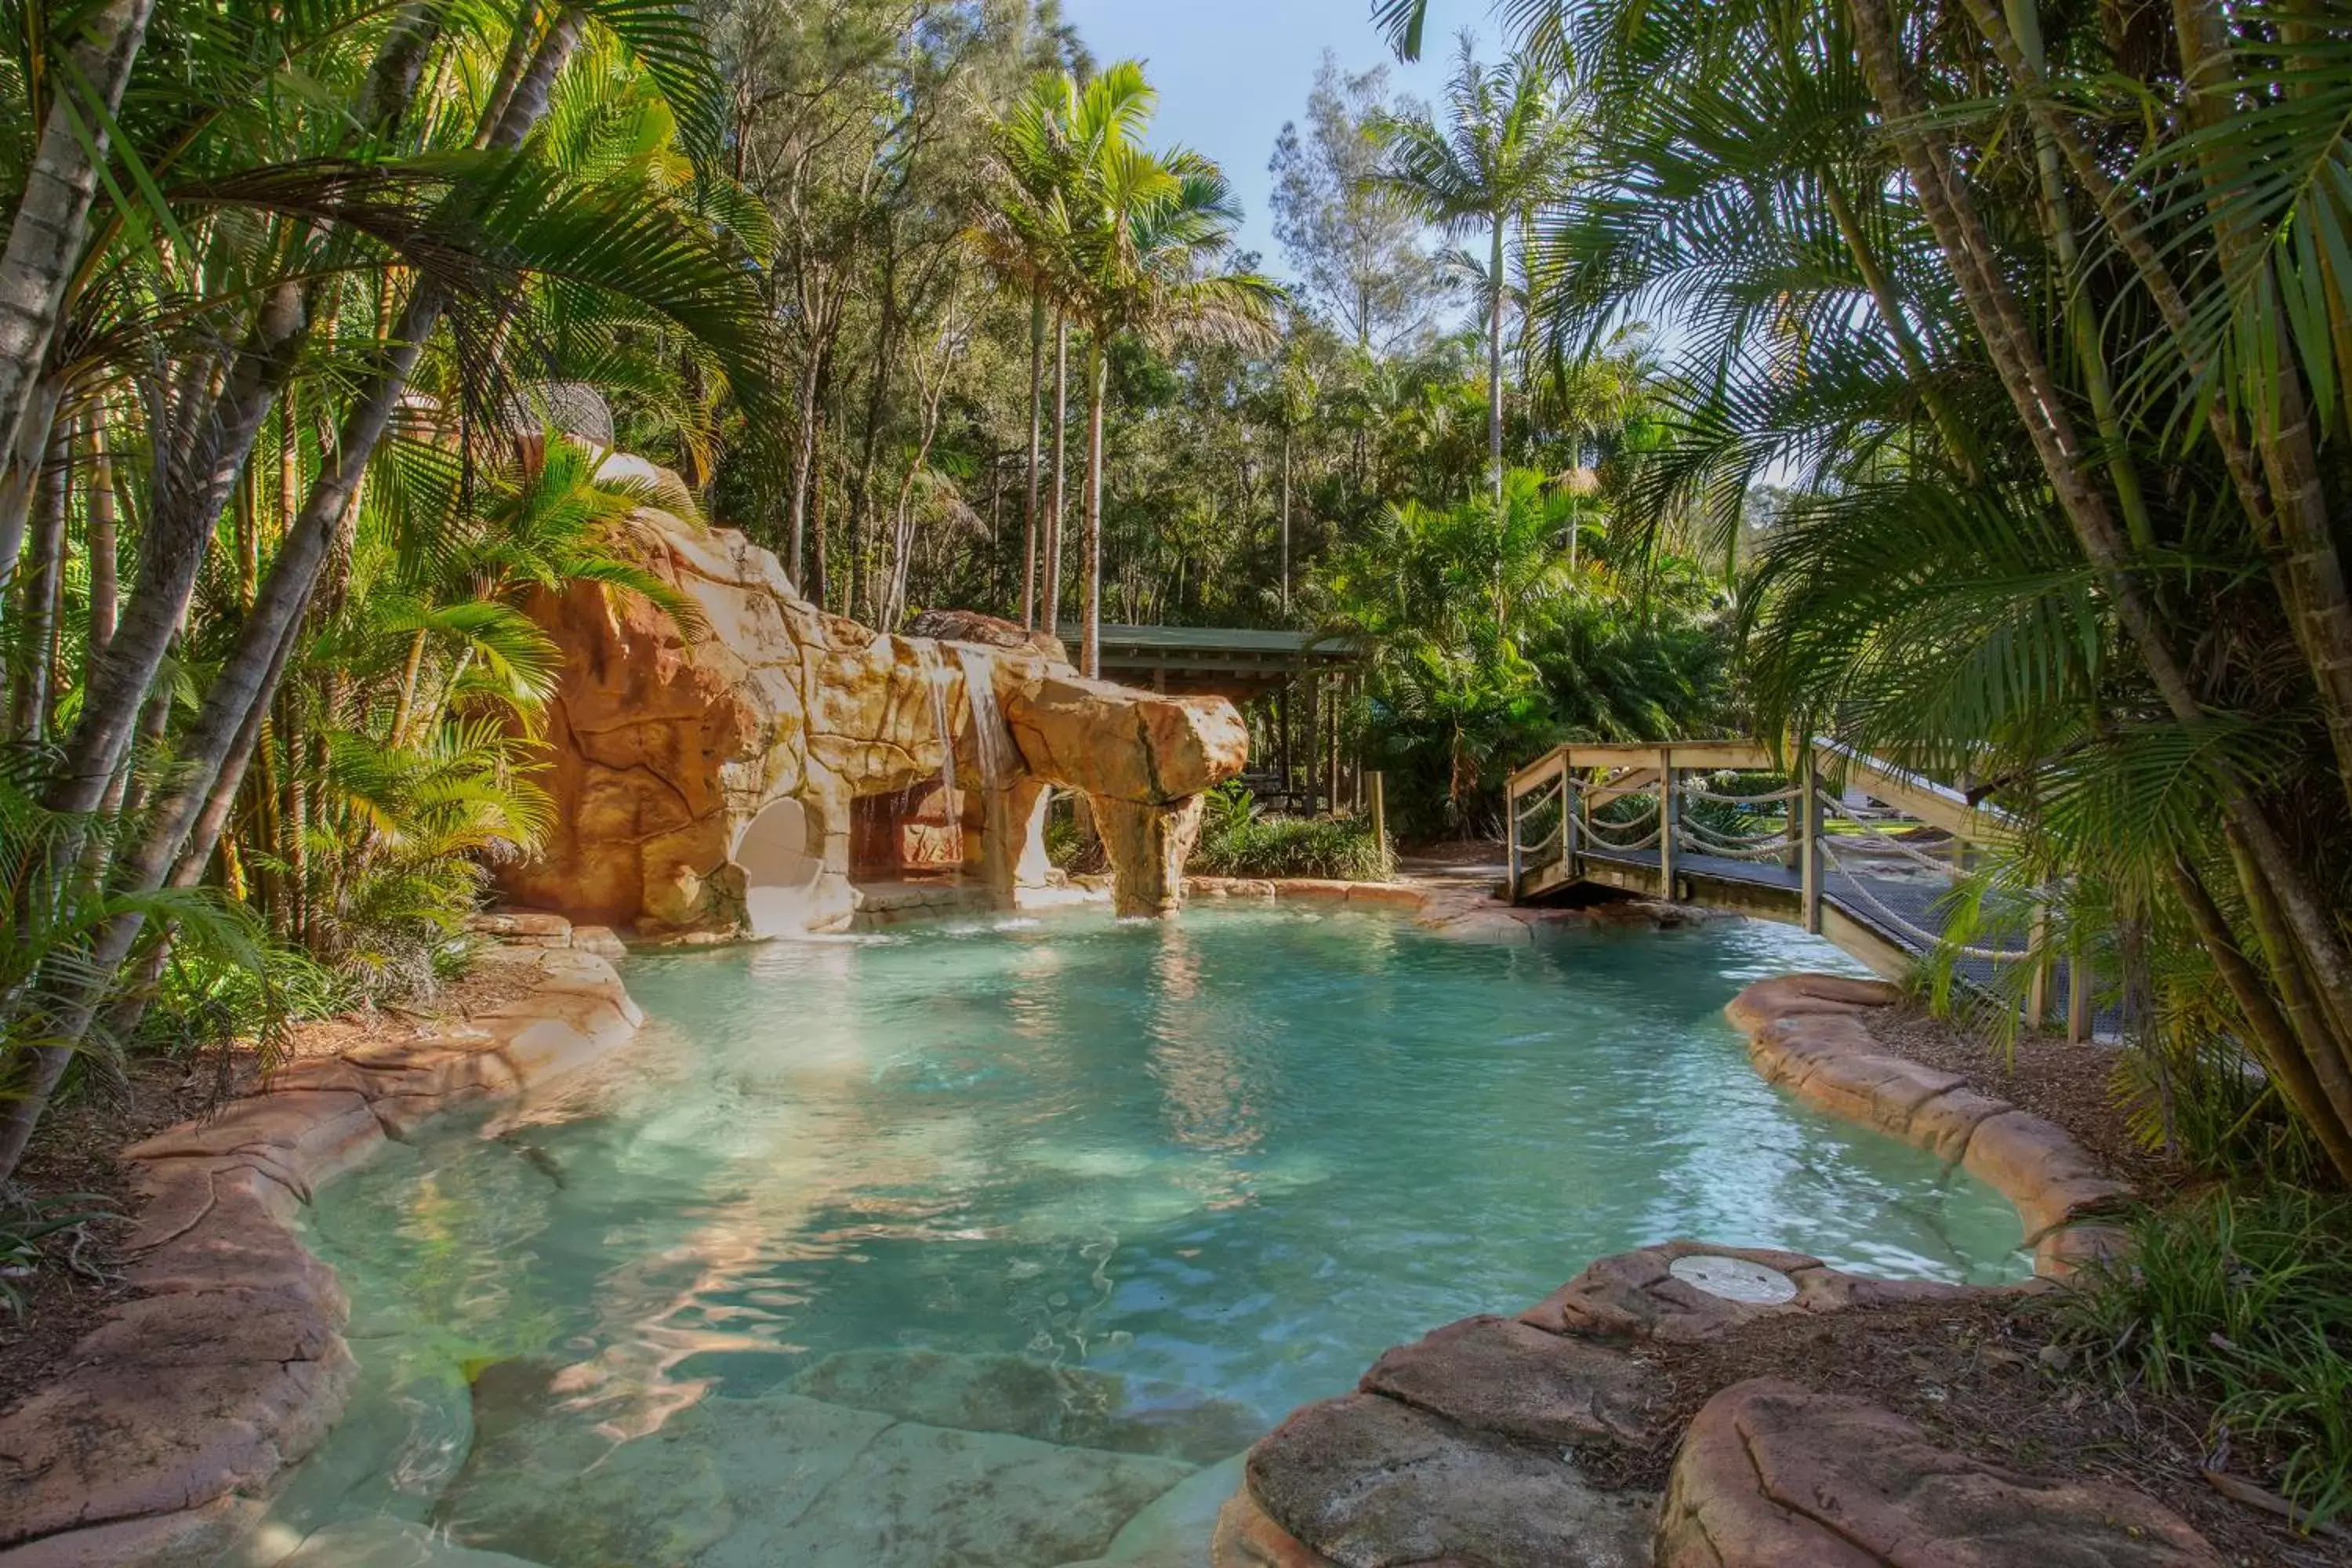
(1494, 636)
(2244, 1302)
(1238, 840)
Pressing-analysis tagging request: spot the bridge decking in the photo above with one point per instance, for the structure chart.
(1887, 910)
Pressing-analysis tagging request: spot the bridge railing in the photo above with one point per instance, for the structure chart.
(1849, 845)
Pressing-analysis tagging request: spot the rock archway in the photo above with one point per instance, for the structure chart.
(704, 781)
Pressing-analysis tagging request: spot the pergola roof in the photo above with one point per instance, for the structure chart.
(1221, 649)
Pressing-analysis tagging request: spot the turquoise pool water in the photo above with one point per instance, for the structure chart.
(975, 1241)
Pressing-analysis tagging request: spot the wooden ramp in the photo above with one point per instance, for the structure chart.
(1870, 855)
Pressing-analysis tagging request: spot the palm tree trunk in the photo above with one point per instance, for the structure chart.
(1494, 370)
(52, 220)
(99, 534)
(20, 469)
(1051, 587)
(186, 510)
(1285, 521)
(249, 677)
(1090, 541)
(803, 459)
(1037, 422)
(38, 587)
(2309, 963)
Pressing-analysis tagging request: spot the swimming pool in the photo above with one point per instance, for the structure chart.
(994, 1241)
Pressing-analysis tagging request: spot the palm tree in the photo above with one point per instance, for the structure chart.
(1026, 235)
(1504, 151)
(2063, 387)
(1146, 232)
(427, 209)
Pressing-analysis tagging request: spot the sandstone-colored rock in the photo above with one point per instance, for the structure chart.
(1637, 1295)
(1493, 1374)
(110, 1441)
(2071, 1249)
(1369, 1483)
(306, 1135)
(530, 925)
(1384, 894)
(988, 631)
(1148, 846)
(1772, 1475)
(707, 783)
(2049, 1176)
(1785, 995)
(1246, 1538)
(183, 1537)
(599, 941)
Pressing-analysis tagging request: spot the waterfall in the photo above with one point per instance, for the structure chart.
(999, 763)
(935, 681)
(989, 738)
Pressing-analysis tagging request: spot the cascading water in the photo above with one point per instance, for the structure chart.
(935, 681)
(993, 741)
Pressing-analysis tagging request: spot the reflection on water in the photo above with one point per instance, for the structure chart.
(1198, 1172)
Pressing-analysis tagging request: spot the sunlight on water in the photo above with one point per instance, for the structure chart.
(850, 1216)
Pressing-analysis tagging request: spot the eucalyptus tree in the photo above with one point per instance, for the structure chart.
(1359, 246)
(1506, 150)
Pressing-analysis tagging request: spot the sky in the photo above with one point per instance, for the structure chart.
(1231, 71)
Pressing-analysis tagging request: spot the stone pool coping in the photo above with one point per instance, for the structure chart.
(1809, 1033)
(163, 1439)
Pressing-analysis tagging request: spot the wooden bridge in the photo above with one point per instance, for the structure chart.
(1845, 845)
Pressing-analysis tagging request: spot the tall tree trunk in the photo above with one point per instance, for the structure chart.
(247, 678)
(99, 534)
(1052, 587)
(52, 219)
(1494, 370)
(21, 463)
(804, 460)
(1285, 521)
(2303, 944)
(1090, 542)
(1037, 422)
(37, 589)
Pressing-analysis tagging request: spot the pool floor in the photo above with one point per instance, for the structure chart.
(995, 1242)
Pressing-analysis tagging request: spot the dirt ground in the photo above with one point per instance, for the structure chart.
(1976, 1377)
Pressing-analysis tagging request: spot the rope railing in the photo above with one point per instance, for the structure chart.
(1832, 809)
(1902, 925)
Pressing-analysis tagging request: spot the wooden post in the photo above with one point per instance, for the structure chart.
(2037, 985)
(1668, 814)
(1282, 738)
(2078, 1000)
(1567, 817)
(1377, 782)
(1809, 842)
(1335, 687)
(1313, 741)
(1511, 838)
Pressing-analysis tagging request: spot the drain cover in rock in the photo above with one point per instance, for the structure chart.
(1734, 1278)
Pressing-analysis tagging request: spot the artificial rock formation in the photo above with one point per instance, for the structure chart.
(704, 777)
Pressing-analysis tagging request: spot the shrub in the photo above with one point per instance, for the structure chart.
(2244, 1302)
(1236, 840)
